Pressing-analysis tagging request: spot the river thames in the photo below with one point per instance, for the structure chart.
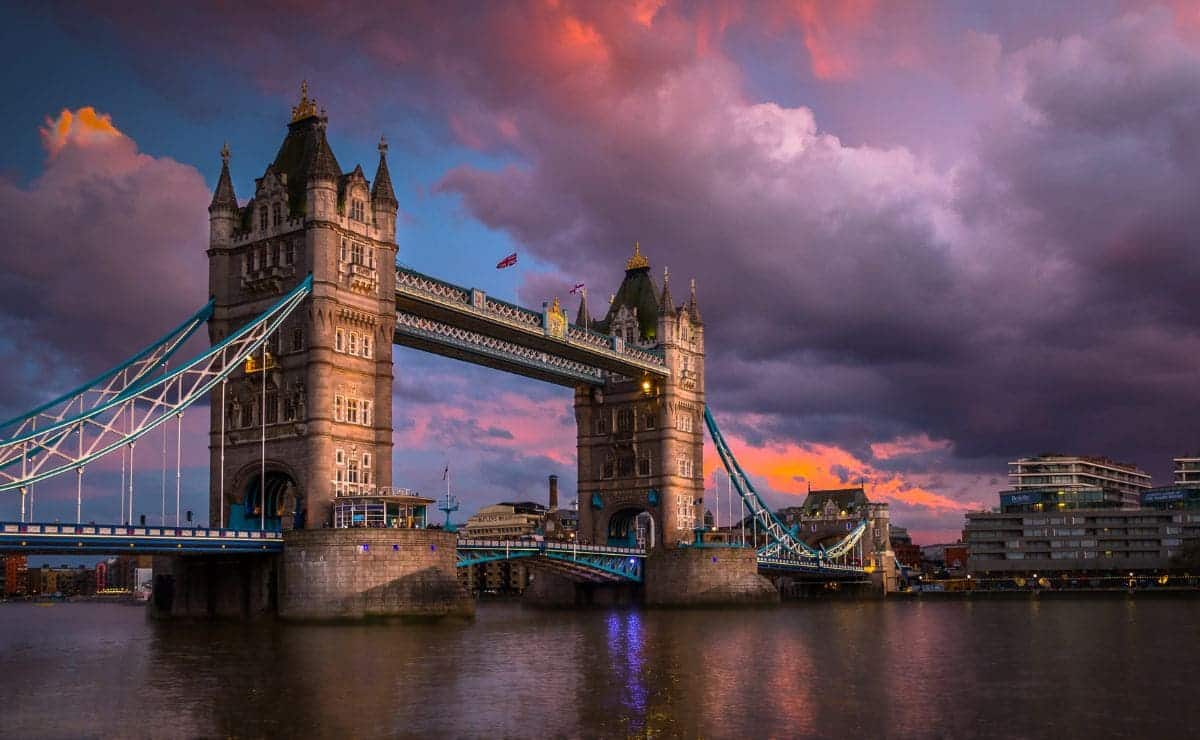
(1019, 669)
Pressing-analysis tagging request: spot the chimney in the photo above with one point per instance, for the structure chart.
(553, 493)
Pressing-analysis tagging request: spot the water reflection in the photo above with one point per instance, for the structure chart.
(995, 669)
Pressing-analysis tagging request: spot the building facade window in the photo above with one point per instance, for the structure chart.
(366, 346)
(352, 410)
(352, 347)
(339, 408)
(272, 407)
(277, 214)
(339, 340)
(644, 463)
(602, 422)
(683, 421)
(366, 413)
(685, 466)
(356, 253)
(342, 252)
(624, 421)
(357, 212)
(262, 218)
(339, 456)
(298, 339)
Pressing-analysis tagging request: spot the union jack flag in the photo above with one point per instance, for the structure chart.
(508, 261)
(578, 287)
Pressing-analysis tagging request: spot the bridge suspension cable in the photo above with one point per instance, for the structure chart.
(109, 384)
(124, 417)
(781, 541)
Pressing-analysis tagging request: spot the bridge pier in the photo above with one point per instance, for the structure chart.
(214, 586)
(706, 576)
(333, 574)
(555, 590)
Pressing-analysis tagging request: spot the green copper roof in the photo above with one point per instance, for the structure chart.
(637, 291)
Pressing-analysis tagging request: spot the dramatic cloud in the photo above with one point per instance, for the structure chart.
(104, 251)
(995, 258)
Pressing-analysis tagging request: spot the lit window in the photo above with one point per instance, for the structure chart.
(339, 341)
(339, 408)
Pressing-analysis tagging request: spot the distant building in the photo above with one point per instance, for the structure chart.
(1187, 471)
(505, 520)
(1073, 472)
(15, 573)
(907, 553)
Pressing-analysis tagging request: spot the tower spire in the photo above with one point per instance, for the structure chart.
(223, 196)
(693, 309)
(666, 304)
(381, 188)
(583, 318)
(638, 260)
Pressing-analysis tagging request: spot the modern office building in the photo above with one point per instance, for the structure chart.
(1073, 472)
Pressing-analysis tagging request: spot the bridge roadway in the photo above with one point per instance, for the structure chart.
(595, 563)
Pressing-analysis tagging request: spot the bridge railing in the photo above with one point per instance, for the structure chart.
(121, 530)
(467, 542)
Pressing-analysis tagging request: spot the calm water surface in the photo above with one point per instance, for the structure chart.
(1094, 668)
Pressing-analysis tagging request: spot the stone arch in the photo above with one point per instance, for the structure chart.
(284, 499)
(621, 527)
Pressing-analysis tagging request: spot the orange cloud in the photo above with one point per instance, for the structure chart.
(83, 127)
(790, 468)
(916, 444)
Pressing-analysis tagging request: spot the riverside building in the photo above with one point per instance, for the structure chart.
(1076, 515)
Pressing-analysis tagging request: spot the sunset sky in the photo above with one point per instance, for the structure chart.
(928, 238)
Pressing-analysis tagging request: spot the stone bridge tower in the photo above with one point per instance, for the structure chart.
(641, 440)
(326, 409)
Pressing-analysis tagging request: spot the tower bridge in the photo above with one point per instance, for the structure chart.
(306, 303)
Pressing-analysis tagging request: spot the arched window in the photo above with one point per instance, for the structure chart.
(277, 212)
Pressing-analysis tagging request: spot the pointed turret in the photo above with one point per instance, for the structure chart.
(381, 189)
(582, 317)
(666, 305)
(223, 211)
(637, 294)
(692, 308)
(304, 157)
(383, 197)
(223, 196)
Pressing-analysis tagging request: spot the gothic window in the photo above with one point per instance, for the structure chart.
(276, 214)
(339, 408)
(262, 218)
(339, 341)
(248, 415)
(291, 253)
(356, 253)
(648, 420)
(366, 345)
(353, 346)
(352, 471)
(277, 254)
(352, 410)
(629, 334)
(356, 210)
(685, 466)
(625, 466)
(272, 407)
(683, 332)
(289, 408)
(624, 421)
(683, 421)
(609, 468)
(644, 463)
(297, 339)
(371, 258)
(366, 413)
(602, 423)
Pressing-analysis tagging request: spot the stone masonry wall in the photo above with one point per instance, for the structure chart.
(704, 576)
(356, 573)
